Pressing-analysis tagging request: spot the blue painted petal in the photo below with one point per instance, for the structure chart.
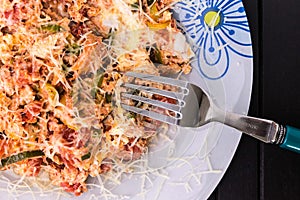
(214, 49)
(230, 5)
(213, 59)
(191, 23)
(241, 50)
(235, 35)
(227, 5)
(211, 52)
(235, 28)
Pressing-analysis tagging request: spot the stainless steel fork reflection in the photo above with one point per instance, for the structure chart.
(195, 108)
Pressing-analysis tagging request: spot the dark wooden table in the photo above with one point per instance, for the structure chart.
(261, 171)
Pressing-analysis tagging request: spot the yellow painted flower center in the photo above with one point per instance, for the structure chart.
(212, 18)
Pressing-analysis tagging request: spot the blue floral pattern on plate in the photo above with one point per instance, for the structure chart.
(219, 32)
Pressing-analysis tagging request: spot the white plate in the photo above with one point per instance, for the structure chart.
(219, 29)
(191, 165)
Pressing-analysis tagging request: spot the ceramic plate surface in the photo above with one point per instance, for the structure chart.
(191, 164)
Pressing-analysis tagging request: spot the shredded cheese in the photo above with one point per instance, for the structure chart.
(61, 75)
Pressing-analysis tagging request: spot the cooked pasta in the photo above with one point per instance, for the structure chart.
(62, 64)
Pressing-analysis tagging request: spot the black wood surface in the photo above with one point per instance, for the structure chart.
(261, 171)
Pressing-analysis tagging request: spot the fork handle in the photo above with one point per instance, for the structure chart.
(265, 130)
(292, 139)
(268, 131)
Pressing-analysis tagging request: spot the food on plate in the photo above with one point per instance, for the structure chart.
(62, 65)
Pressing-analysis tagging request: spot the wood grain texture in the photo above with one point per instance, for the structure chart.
(281, 93)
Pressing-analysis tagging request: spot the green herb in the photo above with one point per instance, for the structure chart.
(135, 5)
(52, 28)
(98, 98)
(20, 156)
(65, 67)
(100, 81)
(155, 55)
(73, 49)
(86, 156)
(108, 98)
(150, 2)
(96, 133)
(97, 84)
(131, 115)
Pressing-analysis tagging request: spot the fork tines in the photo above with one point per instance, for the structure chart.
(168, 111)
(158, 79)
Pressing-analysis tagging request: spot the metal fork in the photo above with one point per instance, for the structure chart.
(195, 108)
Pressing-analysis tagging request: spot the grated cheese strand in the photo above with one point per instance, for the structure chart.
(61, 73)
